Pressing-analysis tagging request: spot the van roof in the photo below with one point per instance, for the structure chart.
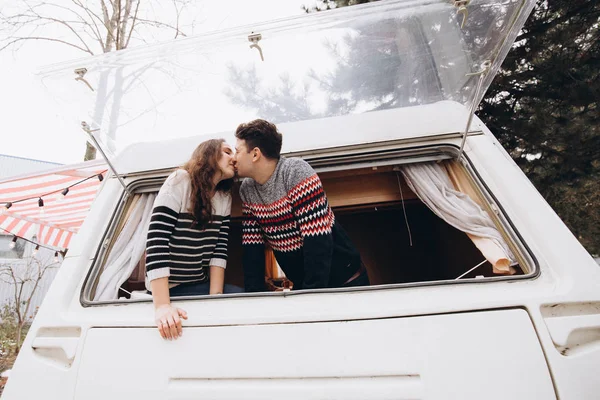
(317, 134)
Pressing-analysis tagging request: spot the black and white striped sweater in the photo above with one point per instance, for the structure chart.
(177, 249)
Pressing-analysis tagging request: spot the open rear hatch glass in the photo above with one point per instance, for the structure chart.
(379, 56)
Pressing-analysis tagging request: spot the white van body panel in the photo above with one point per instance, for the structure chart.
(561, 303)
(430, 357)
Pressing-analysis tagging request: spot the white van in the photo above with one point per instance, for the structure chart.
(373, 97)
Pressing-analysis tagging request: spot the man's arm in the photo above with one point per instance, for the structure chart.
(315, 219)
(253, 247)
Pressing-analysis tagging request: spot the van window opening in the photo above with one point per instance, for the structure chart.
(400, 239)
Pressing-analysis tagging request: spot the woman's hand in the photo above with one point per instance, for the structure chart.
(168, 321)
(167, 317)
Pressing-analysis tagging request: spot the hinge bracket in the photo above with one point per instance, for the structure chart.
(80, 72)
(86, 128)
(461, 6)
(485, 67)
(254, 38)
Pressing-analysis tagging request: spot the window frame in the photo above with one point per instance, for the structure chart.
(352, 157)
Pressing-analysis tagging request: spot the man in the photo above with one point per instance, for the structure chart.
(284, 205)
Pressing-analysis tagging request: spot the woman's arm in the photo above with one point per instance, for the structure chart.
(160, 292)
(167, 317)
(218, 262)
(217, 279)
(162, 223)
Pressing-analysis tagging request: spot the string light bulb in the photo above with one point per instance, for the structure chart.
(56, 256)
(37, 248)
(13, 243)
(62, 194)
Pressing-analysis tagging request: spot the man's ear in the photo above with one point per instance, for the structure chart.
(256, 154)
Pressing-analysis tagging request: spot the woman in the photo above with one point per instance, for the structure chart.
(186, 249)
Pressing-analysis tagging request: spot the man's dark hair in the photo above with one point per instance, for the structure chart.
(262, 134)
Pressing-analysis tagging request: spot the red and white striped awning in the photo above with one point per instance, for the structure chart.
(62, 215)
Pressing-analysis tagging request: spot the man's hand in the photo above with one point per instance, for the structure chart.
(168, 321)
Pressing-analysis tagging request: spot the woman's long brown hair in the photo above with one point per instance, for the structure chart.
(202, 167)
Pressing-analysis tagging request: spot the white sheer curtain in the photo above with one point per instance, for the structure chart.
(127, 249)
(431, 183)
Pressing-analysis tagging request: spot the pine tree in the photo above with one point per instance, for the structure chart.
(543, 107)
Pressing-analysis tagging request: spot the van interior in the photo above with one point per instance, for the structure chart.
(400, 239)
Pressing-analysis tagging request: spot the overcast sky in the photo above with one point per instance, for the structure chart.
(31, 123)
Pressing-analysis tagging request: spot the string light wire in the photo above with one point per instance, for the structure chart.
(8, 204)
(37, 245)
(64, 191)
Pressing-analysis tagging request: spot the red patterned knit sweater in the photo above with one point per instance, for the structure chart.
(290, 212)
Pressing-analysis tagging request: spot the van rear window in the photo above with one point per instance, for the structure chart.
(411, 223)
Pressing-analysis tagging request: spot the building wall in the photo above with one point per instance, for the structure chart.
(12, 166)
(22, 268)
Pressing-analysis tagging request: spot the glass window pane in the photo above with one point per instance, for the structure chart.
(380, 56)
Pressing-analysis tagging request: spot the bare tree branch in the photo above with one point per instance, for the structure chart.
(40, 275)
(18, 296)
(123, 24)
(62, 22)
(25, 280)
(81, 18)
(161, 25)
(114, 24)
(20, 39)
(178, 15)
(93, 17)
(133, 23)
(104, 13)
(109, 24)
